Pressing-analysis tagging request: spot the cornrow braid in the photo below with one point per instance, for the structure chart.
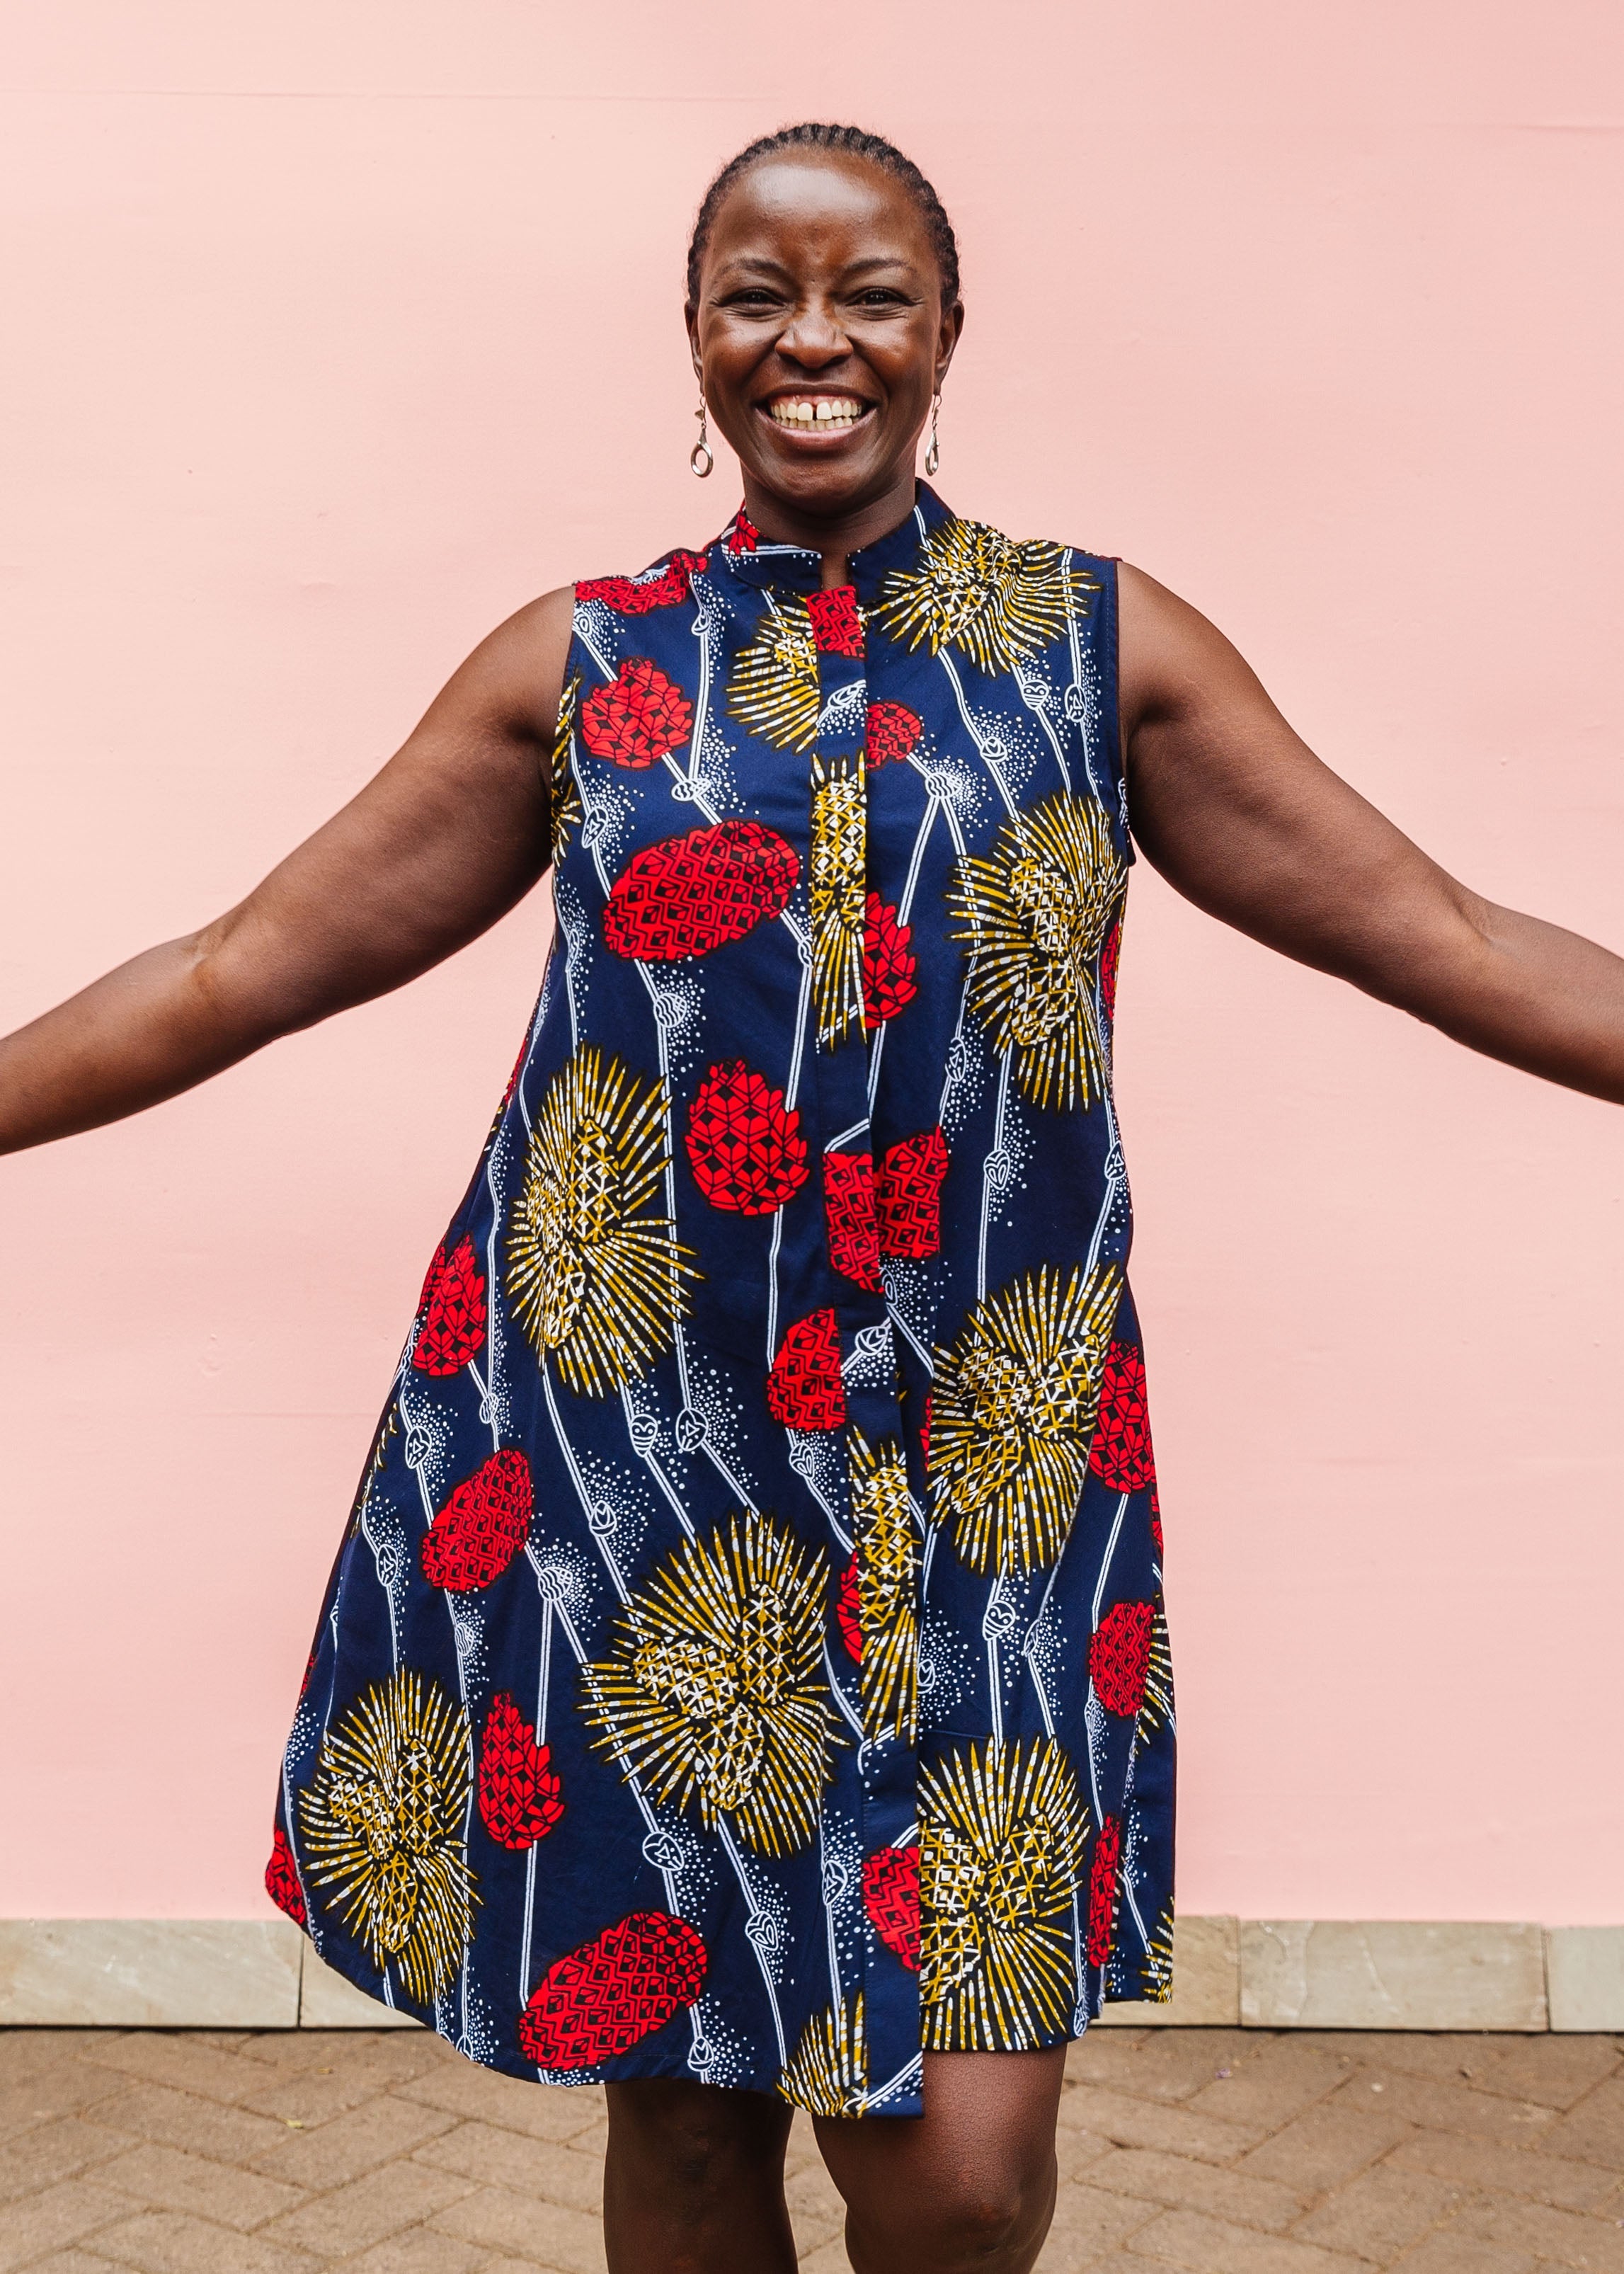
(858, 144)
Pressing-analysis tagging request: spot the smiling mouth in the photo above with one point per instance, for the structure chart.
(815, 414)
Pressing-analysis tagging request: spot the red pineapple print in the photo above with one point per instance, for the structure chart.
(891, 970)
(623, 1986)
(687, 895)
(1119, 1656)
(893, 730)
(452, 1310)
(848, 1607)
(1120, 1455)
(638, 717)
(743, 1143)
(804, 1387)
(1156, 1519)
(281, 1879)
(482, 1527)
(1103, 1891)
(742, 535)
(836, 628)
(907, 1194)
(890, 1897)
(849, 1217)
(1110, 956)
(631, 596)
(519, 1797)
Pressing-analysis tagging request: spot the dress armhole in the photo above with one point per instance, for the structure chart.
(1111, 721)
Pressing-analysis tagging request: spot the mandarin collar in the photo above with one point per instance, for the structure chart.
(755, 560)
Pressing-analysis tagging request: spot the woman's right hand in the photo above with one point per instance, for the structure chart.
(439, 845)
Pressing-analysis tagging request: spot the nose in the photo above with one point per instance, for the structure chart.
(813, 339)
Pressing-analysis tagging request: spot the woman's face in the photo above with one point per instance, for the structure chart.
(819, 336)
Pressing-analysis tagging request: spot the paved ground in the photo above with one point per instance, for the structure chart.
(1229, 2152)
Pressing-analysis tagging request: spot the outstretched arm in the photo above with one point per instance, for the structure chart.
(1238, 814)
(439, 845)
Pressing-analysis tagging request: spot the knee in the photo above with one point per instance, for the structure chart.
(983, 2227)
(693, 2140)
(694, 2179)
(1000, 2218)
(985, 2220)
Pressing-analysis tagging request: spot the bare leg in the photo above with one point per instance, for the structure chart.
(694, 2180)
(970, 2185)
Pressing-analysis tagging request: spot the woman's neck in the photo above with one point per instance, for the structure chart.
(835, 536)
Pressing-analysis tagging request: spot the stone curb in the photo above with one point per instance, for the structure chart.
(1269, 1974)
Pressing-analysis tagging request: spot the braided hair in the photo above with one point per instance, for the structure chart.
(854, 142)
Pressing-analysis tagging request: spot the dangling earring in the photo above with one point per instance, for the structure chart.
(702, 448)
(933, 456)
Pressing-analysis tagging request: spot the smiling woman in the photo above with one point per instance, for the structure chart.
(823, 312)
(744, 1680)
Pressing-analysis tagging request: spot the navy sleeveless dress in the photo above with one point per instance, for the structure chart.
(746, 1659)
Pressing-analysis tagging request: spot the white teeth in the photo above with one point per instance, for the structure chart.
(822, 411)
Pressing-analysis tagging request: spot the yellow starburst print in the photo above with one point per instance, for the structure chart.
(837, 879)
(1156, 1706)
(773, 689)
(1155, 1985)
(564, 792)
(1003, 1829)
(1012, 1411)
(978, 591)
(887, 1588)
(595, 1275)
(1036, 915)
(383, 1821)
(828, 2073)
(714, 1695)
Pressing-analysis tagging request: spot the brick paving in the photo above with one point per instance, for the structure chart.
(1218, 2152)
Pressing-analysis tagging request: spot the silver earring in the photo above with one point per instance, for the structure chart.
(933, 456)
(699, 459)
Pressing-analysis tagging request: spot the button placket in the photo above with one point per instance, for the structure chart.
(887, 1561)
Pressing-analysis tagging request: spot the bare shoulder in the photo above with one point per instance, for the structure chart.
(514, 678)
(1172, 662)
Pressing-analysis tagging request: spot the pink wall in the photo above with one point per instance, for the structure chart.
(332, 334)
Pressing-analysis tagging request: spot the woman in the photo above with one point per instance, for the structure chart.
(744, 1677)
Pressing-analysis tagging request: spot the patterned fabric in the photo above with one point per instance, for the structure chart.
(746, 1659)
